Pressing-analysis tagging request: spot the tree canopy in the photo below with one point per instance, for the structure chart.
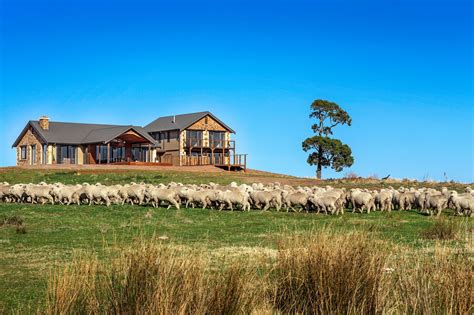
(326, 151)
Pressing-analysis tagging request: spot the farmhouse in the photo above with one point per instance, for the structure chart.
(180, 140)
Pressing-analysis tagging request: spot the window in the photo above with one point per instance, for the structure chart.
(117, 154)
(66, 154)
(167, 136)
(33, 154)
(45, 154)
(217, 139)
(140, 153)
(23, 152)
(101, 154)
(194, 138)
(206, 120)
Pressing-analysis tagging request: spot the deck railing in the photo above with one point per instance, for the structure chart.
(213, 144)
(221, 160)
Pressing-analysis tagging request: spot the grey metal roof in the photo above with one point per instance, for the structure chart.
(78, 133)
(181, 122)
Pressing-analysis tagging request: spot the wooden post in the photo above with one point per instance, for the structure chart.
(108, 153)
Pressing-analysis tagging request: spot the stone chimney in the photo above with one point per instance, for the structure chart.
(174, 119)
(44, 122)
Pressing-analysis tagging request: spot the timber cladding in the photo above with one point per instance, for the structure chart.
(207, 123)
(30, 138)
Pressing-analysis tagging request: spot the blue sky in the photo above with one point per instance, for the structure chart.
(402, 69)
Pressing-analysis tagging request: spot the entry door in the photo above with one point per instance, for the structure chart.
(33, 154)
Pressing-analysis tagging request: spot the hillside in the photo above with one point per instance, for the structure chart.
(112, 174)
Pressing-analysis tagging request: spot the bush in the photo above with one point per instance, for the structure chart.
(149, 279)
(325, 273)
(437, 284)
(442, 229)
(330, 275)
(20, 229)
(351, 175)
(11, 220)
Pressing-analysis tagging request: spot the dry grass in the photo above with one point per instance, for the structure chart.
(326, 273)
(150, 279)
(330, 274)
(442, 229)
(11, 220)
(437, 284)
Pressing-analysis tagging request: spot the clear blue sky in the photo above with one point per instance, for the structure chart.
(402, 69)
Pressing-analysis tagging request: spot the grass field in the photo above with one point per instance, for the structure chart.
(55, 234)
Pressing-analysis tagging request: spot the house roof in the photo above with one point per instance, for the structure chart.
(180, 122)
(78, 133)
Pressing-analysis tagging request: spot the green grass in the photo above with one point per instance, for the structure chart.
(54, 233)
(111, 178)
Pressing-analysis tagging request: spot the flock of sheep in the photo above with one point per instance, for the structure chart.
(245, 197)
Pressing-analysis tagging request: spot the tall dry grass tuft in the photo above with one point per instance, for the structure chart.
(73, 289)
(441, 283)
(151, 279)
(323, 273)
(442, 229)
(330, 274)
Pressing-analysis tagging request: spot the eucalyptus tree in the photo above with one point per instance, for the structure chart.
(324, 150)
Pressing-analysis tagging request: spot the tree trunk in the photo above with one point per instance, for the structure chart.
(318, 171)
(319, 167)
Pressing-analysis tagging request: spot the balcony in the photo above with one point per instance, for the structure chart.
(230, 162)
(212, 144)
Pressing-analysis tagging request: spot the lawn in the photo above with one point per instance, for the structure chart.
(55, 233)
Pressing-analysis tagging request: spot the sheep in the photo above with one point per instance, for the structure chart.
(462, 203)
(197, 196)
(93, 193)
(17, 193)
(361, 200)
(296, 199)
(435, 202)
(406, 200)
(383, 200)
(132, 193)
(64, 194)
(156, 195)
(258, 196)
(263, 199)
(4, 192)
(39, 193)
(327, 203)
(229, 198)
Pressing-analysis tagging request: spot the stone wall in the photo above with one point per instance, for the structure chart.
(29, 138)
(80, 155)
(207, 123)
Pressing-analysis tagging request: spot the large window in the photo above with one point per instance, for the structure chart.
(117, 154)
(140, 154)
(194, 138)
(216, 139)
(66, 154)
(23, 152)
(101, 154)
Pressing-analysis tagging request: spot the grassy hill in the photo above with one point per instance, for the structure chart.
(55, 234)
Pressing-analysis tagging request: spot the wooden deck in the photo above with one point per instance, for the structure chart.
(229, 162)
